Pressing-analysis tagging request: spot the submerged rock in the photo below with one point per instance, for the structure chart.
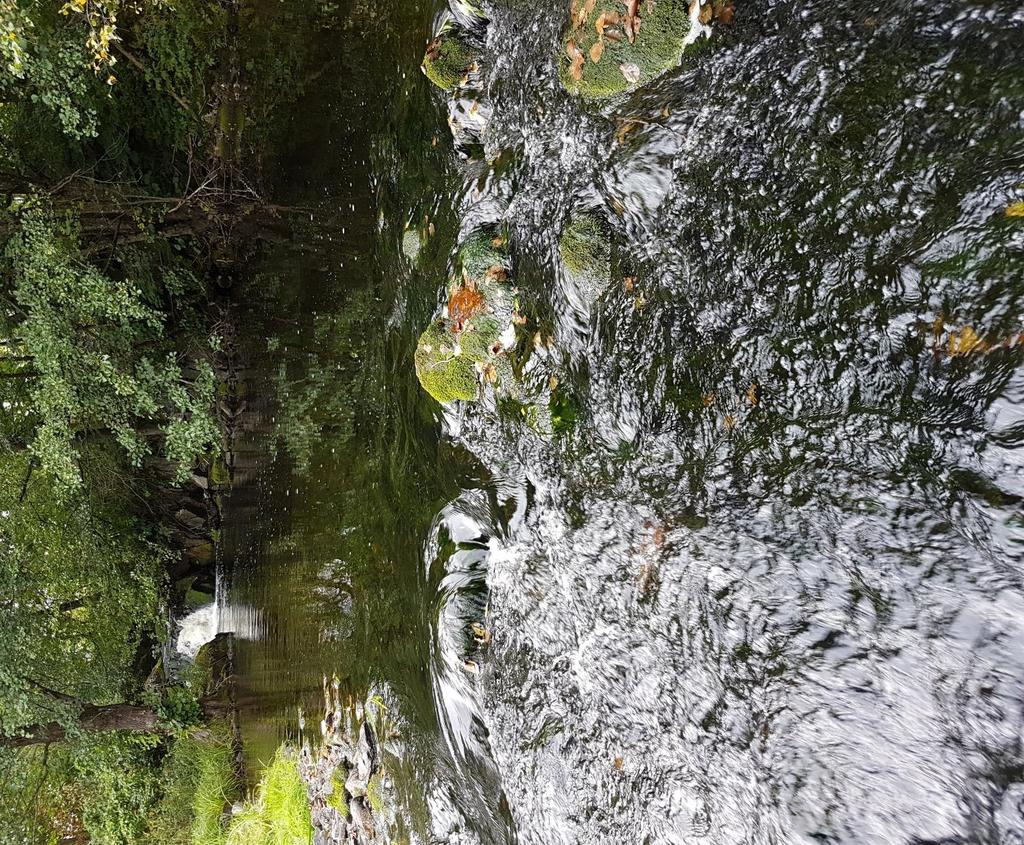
(613, 47)
(450, 58)
(586, 252)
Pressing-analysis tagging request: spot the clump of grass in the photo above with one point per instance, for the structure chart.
(198, 783)
(278, 812)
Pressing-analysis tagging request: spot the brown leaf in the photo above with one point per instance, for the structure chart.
(464, 304)
(626, 126)
(490, 374)
(518, 319)
(497, 273)
(754, 393)
(553, 382)
(729, 422)
(629, 283)
(606, 19)
(584, 11)
(632, 21)
(725, 14)
(618, 764)
(708, 399)
(596, 51)
(705, 14)
(498, 242)
(613, 35)
(578, 60)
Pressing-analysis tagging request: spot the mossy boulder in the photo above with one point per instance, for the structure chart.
(607, 52)
(586, 252)
(449, 58)
(466, 346)
(445, 373)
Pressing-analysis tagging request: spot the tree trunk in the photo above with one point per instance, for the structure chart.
(109, 717)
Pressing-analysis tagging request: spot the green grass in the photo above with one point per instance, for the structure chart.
(278, 812)
(198, 784)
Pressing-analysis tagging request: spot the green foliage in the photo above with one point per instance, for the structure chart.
(624, 65)
(47, 63)
(100, 360)
(449, 57)
(117, 779)
(79, 588)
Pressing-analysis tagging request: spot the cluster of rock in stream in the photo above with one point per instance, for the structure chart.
(610, 48)
(343, 776)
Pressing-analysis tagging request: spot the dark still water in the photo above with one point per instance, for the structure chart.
(768, 587)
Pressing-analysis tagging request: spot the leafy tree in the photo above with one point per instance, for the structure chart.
(94, 356)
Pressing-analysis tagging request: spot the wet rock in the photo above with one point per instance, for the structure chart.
(465, 346)
(611, 48)
(450, 58)
(585, 249)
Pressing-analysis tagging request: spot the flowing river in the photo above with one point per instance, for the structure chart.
(768, 585)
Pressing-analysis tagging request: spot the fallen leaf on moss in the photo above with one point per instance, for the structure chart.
(497, 273)
(705, 14)
(583, 11)
(1015, 209)
(605, 20)
(498, 242)
(630, 71)
(490, 374)
(578, 60)
(552, 382)
(464, 304)
(597, 51)
(632, 22)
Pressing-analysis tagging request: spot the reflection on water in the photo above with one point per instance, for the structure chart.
(770, 586)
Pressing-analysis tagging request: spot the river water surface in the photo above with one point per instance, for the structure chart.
(769, 587)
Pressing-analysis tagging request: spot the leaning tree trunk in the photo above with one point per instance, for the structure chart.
(98, 719)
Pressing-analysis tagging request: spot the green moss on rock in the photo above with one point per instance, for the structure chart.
(375, 794)
(586, 252)
(338, 799)
(449, 58)
(483, 249)
(445, 375)
(623, 66)
(478, 339)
